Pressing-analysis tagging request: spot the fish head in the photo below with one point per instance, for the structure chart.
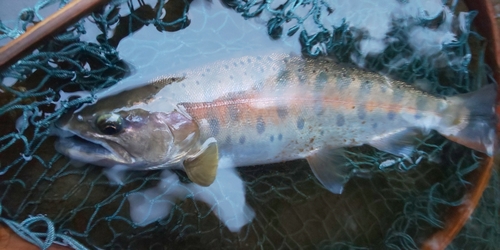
(134, 138)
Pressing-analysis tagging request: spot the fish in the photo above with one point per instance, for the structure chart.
(262, 109)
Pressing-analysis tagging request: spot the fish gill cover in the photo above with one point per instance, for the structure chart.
(389, 203)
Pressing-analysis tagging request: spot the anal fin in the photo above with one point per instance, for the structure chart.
(399, 142)
(201, 168)
(330, 168)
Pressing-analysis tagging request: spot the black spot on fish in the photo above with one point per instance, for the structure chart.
(318, 107)
(340, 120)
(321, 132)
(418, 116)
(226, 67)
(282, 112)
(280, 136)
(228, 139)
(361, 112)
(300, 123)
(321, 81)
(231, 77)
(242, 139)
(214, 126)
(261, 125)
(271, 138)
(391, 115)
(235, 64)
(374, 125)
(197, 82)
(233, 112)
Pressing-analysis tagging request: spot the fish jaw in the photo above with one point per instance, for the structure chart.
(93, 152)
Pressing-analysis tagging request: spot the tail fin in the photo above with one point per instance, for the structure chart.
(471, 120)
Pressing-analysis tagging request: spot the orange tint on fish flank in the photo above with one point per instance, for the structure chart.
(249, 107)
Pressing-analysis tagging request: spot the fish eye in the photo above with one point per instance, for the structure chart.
(109, 124)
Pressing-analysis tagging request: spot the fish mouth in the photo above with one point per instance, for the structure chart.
(81, 149)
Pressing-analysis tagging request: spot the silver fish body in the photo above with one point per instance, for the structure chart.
(264, 109)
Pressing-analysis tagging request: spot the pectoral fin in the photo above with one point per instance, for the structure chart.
(401, 142)
(331, 168)
(202, 167)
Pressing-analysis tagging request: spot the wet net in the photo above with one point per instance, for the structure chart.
(389, 203)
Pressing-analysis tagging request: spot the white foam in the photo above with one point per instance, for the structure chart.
(154, 204)
(226, 196)
(115, 174)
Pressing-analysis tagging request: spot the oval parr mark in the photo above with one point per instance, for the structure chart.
(398, 95)
(302, 79)
(271, 138)
(261, 125)
(318, 107)
(361, 111)
(282, 112)
(321, 81)
(242, 139)
(391, 115)
(214, 126)
(383, 88)
(421, 103)
(284, 77)
(365, 89)
(233, 112)
(340, 121)
(280, 137)
(374, 125)
(228, 139)
(343, 81)
(300, 123)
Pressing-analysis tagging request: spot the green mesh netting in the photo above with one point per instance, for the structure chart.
(389, 203)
